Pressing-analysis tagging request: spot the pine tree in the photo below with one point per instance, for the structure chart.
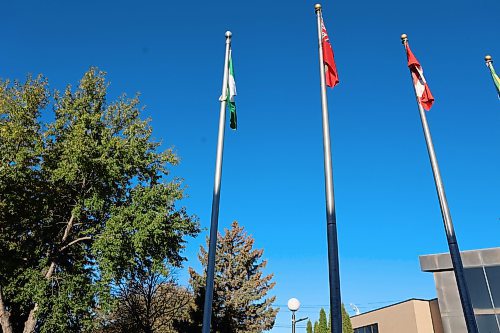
(316, 327)
(309, 328)
(240, 304)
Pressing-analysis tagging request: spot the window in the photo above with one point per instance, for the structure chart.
(487, 324)
(373, 328)
(478, 289)
(493, 274)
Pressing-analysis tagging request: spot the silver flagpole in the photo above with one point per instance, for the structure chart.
(489, 62)
(209, 291)
(331, 220)
(456, 260)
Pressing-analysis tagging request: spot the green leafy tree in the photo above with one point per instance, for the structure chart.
(86, 202)
(316, 327)
(309, 327)
(240, 301)
(147, 304)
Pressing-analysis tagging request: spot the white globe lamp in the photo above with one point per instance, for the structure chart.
(293, 304)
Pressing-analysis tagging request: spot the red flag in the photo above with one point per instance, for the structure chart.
(421, 88)
(331, 75)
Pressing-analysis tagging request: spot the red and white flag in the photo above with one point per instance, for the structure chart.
(331, 75)
(421, 88)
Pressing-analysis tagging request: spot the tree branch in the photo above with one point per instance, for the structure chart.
(74, 242)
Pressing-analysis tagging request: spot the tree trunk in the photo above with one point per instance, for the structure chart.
(4, 316)
(30, 323)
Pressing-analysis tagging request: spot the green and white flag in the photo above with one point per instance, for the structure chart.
(229, 96)
(232, 92)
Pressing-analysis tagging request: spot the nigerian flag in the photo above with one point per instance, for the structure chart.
(231, 93)
(494, 75)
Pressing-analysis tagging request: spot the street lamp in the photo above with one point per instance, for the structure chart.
(294, 305)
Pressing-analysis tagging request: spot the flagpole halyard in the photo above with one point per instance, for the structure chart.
(331, 220)
(209, 290)
(456, 259)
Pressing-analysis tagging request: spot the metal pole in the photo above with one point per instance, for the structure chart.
(293, 321)
(209, 291)
(456, 260)
(331, 220)
(489, 64)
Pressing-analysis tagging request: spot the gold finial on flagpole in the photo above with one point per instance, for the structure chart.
(317, 7)
(404, 38)
(488, 58)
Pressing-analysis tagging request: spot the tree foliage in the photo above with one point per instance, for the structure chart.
(322, 322)
(309, 327)
(240, 304)
(86, 201)
(346, 322)
(324, 326)
(150, 302)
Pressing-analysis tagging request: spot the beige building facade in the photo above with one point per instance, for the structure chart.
(411, 316)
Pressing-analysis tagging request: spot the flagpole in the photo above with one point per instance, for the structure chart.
(209, 291)
(456, 260)
(331, 220)
(489, 63)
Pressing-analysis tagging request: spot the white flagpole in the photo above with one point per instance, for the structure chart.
(331, 220)
(209, 291)
(456, 260)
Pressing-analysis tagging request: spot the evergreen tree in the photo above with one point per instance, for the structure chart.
(85, 202)
(322, 323)
(309, 328)
(240, 304)
(316, 327)
(346, 321)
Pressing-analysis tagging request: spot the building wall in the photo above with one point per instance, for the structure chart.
(412, 316)
(436, 316)
(482, 274)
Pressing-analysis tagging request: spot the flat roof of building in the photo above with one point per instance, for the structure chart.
(474, 258)
(396, 304)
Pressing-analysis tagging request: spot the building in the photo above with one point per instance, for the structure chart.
(444, 314)
(482, 273)
(410, 316)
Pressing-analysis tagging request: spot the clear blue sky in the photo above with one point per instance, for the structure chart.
(388, 214)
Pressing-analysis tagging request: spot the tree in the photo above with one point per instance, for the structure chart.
(323, 322)
(316, 327)
(346, 321)
(86, 202)
(148, 303)
(240, 303)
(309, 327)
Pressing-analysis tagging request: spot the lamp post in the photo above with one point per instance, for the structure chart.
(294, 305)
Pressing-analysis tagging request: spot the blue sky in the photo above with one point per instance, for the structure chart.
(387, 209)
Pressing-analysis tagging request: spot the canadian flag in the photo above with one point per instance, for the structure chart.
(331, 75)
(421, 88)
